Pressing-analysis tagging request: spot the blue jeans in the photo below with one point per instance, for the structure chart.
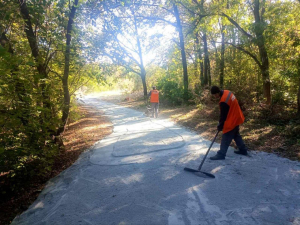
(227, 138)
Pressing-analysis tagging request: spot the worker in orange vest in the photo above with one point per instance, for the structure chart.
(231, 117)
(154, 100)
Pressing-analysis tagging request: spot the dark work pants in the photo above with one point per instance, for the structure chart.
(154, 108)
(228, 137)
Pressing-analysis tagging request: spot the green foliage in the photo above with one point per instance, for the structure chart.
(171, 91)
(31, 89)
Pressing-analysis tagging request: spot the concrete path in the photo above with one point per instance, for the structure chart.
(136, 176)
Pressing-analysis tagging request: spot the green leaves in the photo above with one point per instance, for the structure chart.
(2, 51)
(30, 63)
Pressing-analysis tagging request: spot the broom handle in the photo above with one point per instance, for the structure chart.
(208, 151)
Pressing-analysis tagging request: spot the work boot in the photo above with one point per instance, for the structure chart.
(217, 157)
(241, 152)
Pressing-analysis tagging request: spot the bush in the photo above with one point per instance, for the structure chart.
(171, 92)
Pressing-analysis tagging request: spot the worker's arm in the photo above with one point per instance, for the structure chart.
(224, 109)
(149, 94)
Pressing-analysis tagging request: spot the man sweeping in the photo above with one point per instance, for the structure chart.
(231, 117)
(154, 100)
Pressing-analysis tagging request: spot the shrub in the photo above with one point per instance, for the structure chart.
(171, 91)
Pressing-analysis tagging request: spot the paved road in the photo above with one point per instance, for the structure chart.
(136, 176)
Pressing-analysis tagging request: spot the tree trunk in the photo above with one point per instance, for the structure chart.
(222, 62)
(202, 72)
(45, 115)
(259, 30)
(200, 59)
(66, 105)
(208, 72)
(206, 61)
(183, 55)
(143, 76)
(142, 67)
(196, 62)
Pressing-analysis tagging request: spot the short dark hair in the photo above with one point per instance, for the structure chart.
(154, 87)
(214, 90)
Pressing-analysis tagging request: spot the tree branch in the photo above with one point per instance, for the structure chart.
(157, 19)
(121, 61)
(237, 26)
(245, 51)
(52, 71)
(28, 29)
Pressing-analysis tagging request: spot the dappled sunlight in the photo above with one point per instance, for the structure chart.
(104, 125)
(196, 194)
(255, 134)
(169, 175)
(136, 159)
(177, 116)
(215, 170)
(109, 140)
(39, 205)
(132, 136)
(184, 159)
(185, 116)
(106, 93)
(134, 178)
(83, 120)
(112, 180)
(195, 188)
(295, 173)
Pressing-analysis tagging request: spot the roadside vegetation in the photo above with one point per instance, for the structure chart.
(86, 126)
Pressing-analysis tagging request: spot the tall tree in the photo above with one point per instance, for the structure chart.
(182, 50)
(65, 78)
(259, 40)
(126, 38)
(41, 64)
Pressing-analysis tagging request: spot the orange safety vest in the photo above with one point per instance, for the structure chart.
(235, 116)
(154, 96)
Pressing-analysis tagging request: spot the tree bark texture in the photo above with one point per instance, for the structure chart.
(66, 104)
(196, 62)
(259, 30)
(200, 59)
(202, 72)
(206, 61)
(222, 62)
(208, 72)
(143, 76)
(45, 116)
(183, 55)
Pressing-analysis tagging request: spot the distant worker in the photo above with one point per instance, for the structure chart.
(231, 117)
(154, 100)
